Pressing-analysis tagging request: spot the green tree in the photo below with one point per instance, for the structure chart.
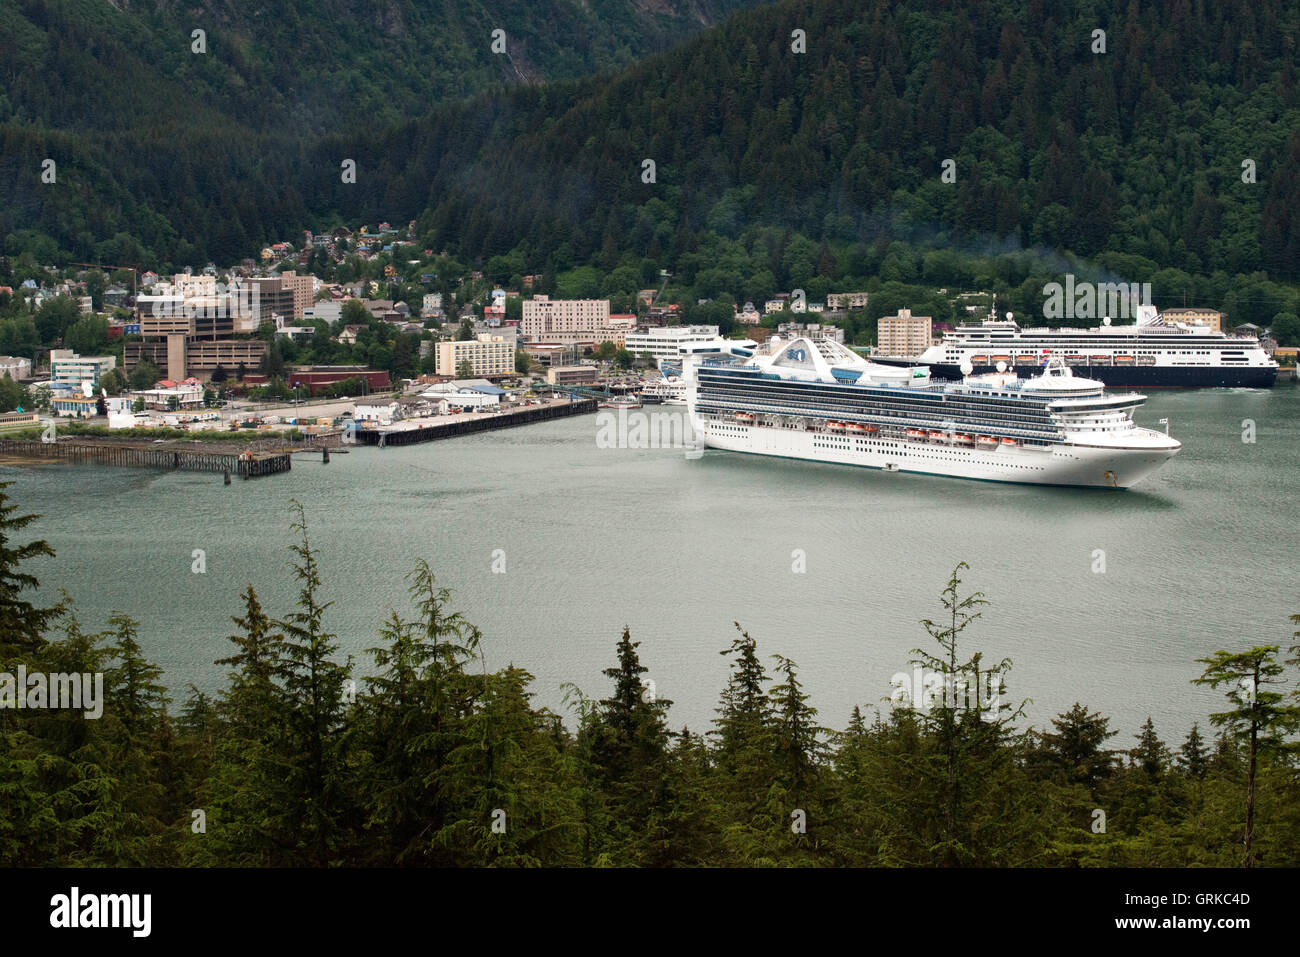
(1258, 716)
(22, 623)
(145, 375)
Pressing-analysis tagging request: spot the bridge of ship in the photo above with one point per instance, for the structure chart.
(927, 407)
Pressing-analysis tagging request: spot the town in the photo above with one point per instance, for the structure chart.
(365, 326)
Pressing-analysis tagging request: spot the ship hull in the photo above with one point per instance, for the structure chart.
(1058, 464)
(1129, 377)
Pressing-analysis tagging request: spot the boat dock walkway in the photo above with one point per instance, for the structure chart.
(431, 429)
(169, 456)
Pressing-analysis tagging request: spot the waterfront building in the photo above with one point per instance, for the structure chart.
(487, 355)
(664, 342)
(571, 375)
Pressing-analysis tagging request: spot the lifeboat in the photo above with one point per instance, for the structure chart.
(855, 427)
(916, 433)
(744, 417)
(936, 435)
(870, 428)
(985, 440)
(979, 360)
(964, 438)
(1027, 360)
(1008, 441)
(835, 426)
(1001, 358)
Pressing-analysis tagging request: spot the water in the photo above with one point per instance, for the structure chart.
(1200, 556)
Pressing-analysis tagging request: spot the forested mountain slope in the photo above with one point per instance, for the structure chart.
(1133, 155)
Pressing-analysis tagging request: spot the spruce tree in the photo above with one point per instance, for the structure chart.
(22, 623)
(1258, 716)
(1192, 758)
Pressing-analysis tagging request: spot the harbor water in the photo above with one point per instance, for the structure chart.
(552, 543)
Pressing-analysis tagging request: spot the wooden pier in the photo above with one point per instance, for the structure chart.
(397, 435)
(223, 459)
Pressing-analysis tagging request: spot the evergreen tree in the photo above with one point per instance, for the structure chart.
(1192, 758)
(1258, 716)
(22, 623)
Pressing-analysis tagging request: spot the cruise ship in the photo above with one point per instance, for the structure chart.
(1151, 353)
(817, 400)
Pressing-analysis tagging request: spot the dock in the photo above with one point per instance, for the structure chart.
(167, 456)
(430, 430)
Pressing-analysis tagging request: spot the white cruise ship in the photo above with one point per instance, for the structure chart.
(1150, 353)
(818, 400)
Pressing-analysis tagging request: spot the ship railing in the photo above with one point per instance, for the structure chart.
(991, 420)
(937, 425)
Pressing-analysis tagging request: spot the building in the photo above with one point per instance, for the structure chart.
(487, 355)
(382, 411)
(328, 311)
(551, 353)
(72, 370)
(432, 304)
(195, 357)
(18, 421)
(847, 300)
(15, 367)
(1195, 317)
(663, 342)
(571, 375)
(172, 395)
(302, 288)
(74, 406)
(812, 330)
(903, 335)
(464, 395)
(569, 320)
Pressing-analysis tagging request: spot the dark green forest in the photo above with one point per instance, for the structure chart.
(773, 169)
(432, 760)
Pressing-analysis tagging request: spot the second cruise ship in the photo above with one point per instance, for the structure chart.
(817, 400)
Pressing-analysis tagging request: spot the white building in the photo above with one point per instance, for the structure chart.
(382, 412)
(72, 370)
(487, 355)
(432, 304)
(328, 311)
(662, 342)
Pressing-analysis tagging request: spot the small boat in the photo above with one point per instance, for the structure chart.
(963, 438)
(985, 440)
(856, 427)
(835, 426)
(744, 417)
(870, 428)
(936, 435)
(1008, 441)
(622, 402)
(916, 433)
(979, 360)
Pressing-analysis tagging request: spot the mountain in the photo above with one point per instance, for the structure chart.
(776, 168)
(152, 139)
